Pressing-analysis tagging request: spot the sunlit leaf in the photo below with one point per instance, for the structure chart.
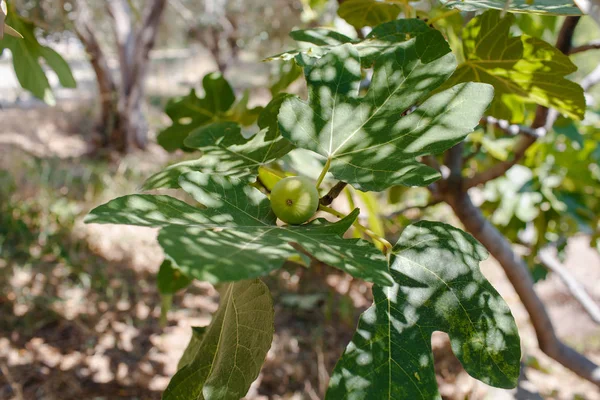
(368, 140)
(438, 287)
(27, 53)
(361, 13)
(222, 360)
(235, 237)
(555, 7)
(521, 66)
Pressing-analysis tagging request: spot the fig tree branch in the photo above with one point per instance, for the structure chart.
(593, 45)
(333, 193)
(575, 288)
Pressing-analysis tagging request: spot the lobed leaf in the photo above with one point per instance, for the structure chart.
(521, 69)
(368, 140)
(235, 237)
(438, 286)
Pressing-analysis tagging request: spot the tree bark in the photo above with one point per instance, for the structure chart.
(134, 52)
(123, 123)
(107, 88)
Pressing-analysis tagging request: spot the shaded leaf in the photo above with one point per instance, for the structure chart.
(27, 53)
(226, 151)
(370, 144)
(361, 13)
(222, 361)
(555, 7)
(191, 112)
(521, 67)
(192, 348)
(170, 280)
(438, 286)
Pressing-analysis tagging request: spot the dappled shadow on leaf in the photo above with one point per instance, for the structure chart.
(438, 288)
(371, 142)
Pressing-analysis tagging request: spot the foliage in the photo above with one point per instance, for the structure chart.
(437, 286)
(26, 54)
(363, 138)
(522, 69)
(554, 7)
(191, 112)
(361, 13)
(223, 359)
(231, 235)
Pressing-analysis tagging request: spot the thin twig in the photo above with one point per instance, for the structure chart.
(333, 193)
(576, 289)
(593, 45)
(513, 129)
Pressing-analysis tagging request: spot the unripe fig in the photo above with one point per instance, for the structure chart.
(294, 199)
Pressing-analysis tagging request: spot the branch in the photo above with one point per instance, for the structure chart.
(517, 272)
(107, 88)
(120, 13)
(593, 45)
(513, 129)
(332, 194)
(576, 289)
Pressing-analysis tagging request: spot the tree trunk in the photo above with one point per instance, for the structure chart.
(107, 88)
(123, 123)
(131, 130)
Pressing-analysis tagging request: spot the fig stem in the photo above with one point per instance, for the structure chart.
(387, 246)
(325, 169)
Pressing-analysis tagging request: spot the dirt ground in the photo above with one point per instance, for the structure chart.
(94, 333)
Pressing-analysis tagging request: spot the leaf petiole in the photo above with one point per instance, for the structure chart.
(387, 246)
(324, 172)
(443, 15)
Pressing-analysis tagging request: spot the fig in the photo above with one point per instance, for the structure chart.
(294, 199)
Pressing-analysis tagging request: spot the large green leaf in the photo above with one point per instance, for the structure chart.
(226, 151)
(555, 7)
(191, 112)
(368, 140)
(361, 13)
(236, 237)
(521, 68)
(27, 53)
(438, 287)
(223, 360)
